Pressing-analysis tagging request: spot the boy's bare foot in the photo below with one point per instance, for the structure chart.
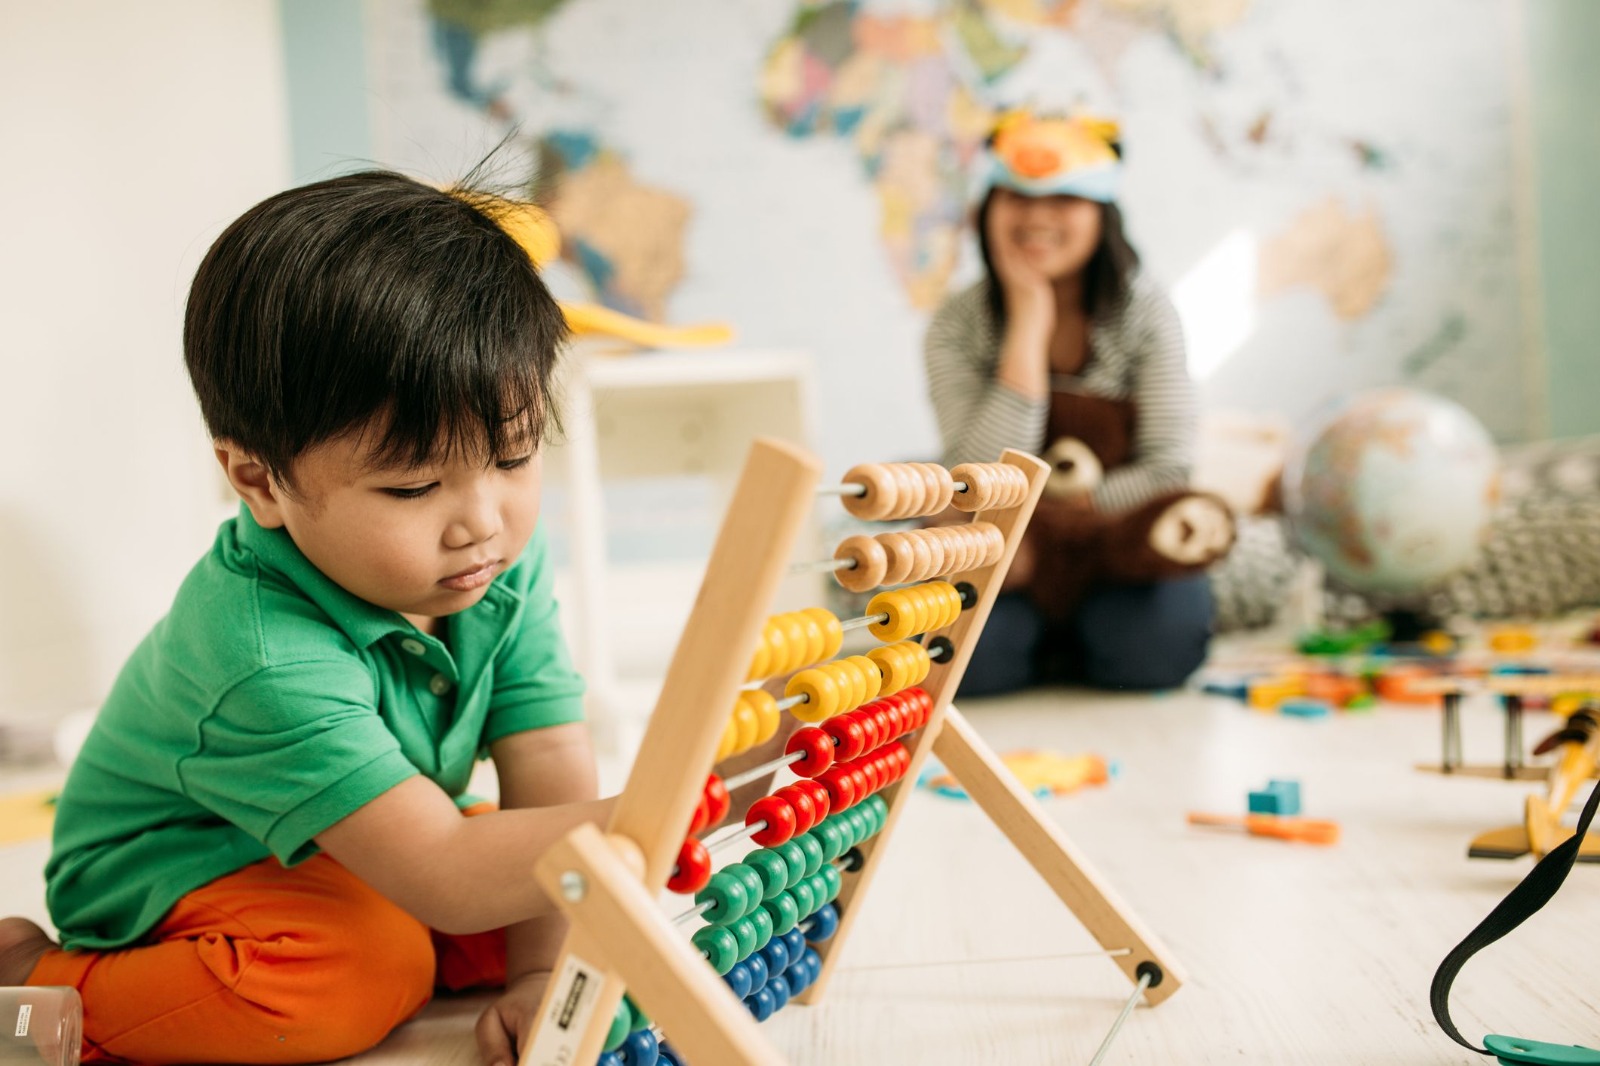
(21, 944)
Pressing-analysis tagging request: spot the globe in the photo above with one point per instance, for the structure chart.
(1394, 492)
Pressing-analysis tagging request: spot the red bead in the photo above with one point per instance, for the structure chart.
(885, 719)
(701, 818)
(874, 730)
(849, 738)
(818, 747)
(863, 783)
(779, 817)
(805, 812)
(716, 800)
(693, 870)
(820, 799)
(841, 788)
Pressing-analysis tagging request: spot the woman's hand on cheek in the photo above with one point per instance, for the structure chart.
(1028, 292)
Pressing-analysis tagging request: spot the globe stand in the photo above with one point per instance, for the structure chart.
(1410, 626)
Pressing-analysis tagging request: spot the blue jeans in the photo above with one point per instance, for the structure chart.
(1122, 637)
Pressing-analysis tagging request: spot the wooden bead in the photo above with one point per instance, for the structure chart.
(882, 491)
(900, 551)
(944, 487)
(980, 486)
(871, 563)
(934, 545)
(911, 490)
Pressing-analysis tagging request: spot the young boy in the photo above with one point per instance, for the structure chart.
(260, 854)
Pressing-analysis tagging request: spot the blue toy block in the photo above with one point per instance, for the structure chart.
(1279, 797)
(1305, 708)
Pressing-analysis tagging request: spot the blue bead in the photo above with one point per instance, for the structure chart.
(762, 1004)
(779, 988)
(739, 980)
(640, 1049)
(823, 924)
(776, 954)
(757, 965)
(795, 942)
(609, 1058)
(669, 1056)
(799, 975)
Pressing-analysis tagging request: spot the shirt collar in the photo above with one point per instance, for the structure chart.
(364, 623)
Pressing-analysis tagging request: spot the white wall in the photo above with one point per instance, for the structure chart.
(130, 134)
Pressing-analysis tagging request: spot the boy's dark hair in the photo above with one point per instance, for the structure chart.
(1107, 277)
(372, 297)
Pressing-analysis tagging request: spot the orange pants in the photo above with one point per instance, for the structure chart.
(268, 965)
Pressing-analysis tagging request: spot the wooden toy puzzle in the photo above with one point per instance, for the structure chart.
(767, 929)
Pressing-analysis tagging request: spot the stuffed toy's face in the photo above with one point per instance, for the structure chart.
(1193, 530)
(1073, 468)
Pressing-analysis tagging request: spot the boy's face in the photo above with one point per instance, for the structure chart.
(424, 541)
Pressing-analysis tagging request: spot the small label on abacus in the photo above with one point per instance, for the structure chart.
(577, 988)
(24, 1014)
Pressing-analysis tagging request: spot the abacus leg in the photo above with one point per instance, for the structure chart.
(1058, 861)
(615, 919)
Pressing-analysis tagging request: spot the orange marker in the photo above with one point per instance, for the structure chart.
(1305, 830)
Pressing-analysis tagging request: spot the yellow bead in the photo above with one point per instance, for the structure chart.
(888, 660)
(761, 659)
(832, 631)
(765, 706)
(730, 736)
(821, 691)
(894, 603)
(796, 642)
(748, 725)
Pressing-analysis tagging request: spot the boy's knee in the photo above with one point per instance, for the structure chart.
(339, 990)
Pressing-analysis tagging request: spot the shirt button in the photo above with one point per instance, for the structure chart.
(439, 685)
(415, 647)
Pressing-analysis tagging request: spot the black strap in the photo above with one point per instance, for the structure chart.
(1519, 905)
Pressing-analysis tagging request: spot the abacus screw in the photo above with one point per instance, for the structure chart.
(573, 886)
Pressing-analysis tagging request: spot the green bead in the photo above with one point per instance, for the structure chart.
(813, 852)
(754, 886)
(796, 860)
(878, 807)
(761, 918)
(719, 947)
(784, 912)
(621, 1026)
(729, 898)
(772, 870)
(858, 825)
(641, 1020)
(831, 839)
(745, 934)
(805, 897)
(819, 887)
(833, 880)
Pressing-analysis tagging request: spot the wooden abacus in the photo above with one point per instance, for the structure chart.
(608, 882)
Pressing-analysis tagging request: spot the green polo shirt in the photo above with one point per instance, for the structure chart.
(269, 704)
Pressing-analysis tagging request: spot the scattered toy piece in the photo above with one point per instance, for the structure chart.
(1305, 708)
(1280, 797)
(1043, 773)
(1303, 830)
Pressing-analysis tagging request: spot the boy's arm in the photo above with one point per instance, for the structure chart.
(542, 768)
(457, 875)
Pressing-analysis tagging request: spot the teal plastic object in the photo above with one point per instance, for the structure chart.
(1515, 1051)
(621, 1026)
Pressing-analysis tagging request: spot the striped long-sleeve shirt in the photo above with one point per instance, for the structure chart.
(1136, 353)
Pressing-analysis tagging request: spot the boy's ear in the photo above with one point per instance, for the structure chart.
(253, 482)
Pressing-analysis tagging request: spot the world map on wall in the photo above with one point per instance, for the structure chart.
(915, 96)
(1350, 196)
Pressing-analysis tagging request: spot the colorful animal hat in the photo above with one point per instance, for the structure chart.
(1051, 155)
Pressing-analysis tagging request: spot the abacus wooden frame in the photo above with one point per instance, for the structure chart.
(608, 883)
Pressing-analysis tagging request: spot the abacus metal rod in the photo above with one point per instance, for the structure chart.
(731, 783)
(1127, 1009)
(855, 488)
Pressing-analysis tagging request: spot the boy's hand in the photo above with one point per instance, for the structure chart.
(504, 1027)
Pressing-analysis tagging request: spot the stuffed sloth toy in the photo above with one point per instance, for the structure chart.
(1071, 546)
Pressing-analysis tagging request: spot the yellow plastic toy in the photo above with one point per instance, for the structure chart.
(536, 232)
(1043, 773)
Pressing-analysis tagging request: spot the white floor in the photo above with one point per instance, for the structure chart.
(1294, 954)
